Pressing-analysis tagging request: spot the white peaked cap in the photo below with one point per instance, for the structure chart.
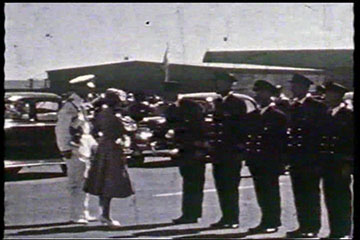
(82, 79)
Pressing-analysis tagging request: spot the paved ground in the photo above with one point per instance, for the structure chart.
(36, 207)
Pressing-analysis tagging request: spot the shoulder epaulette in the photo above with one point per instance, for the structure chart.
(71, 101)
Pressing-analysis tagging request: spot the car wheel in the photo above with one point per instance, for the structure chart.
(12, 171)
(63, 168)
(135, 160)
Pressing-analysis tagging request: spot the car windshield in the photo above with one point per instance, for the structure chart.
(46, 110)
(41, 110)
(17, 110)
(46, 106)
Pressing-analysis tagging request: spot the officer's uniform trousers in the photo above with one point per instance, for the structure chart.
(268, 196)
(226, 172)
(305, 180)
(76, 180)
(192, 169)
(336, 151)
(267, 189)
(336, 185)
(193, 186)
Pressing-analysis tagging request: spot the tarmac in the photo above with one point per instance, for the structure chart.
(36, 206)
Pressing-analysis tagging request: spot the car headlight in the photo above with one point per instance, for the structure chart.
(174, 151)
(161, 120)
(170, 134)
(145, 135)
(127, 141)
(130, 127)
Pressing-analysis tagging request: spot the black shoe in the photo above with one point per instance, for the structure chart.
(300, 234)
(338, 236)
(309, 235)
(262, 229)
(184, 220)
(224, 224)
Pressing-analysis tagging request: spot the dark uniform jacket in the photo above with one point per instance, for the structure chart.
(337, 138)
(304, 133)
(228, 138)
(189, 136)
(266, 139)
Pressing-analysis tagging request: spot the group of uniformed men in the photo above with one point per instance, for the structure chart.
(310, 135)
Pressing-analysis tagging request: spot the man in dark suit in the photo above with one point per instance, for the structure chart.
(306, 120)
(188, 120)
(336, 154)
(265, 144)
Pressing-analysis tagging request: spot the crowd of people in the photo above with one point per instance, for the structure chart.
(309, 135)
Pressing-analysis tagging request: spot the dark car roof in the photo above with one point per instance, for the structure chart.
(31, 95)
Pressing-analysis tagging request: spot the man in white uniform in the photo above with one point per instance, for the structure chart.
(66, 141)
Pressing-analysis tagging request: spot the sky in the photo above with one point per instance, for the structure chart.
(48, 36)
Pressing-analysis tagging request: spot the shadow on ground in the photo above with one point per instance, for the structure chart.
(164, 233)
(214, 236)
(224, 236)
(32, 176)
(15, 227)
(84, 228)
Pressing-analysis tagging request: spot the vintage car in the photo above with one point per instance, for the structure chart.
(30, 118)
(29, 121)
(165, 152)
(150, 143)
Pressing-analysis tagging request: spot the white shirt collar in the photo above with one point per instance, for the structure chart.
(263, 110)
(337, 108)
(303, 99)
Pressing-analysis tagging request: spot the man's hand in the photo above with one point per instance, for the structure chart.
(66, 154)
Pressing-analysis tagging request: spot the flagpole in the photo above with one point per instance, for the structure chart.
(166, 63)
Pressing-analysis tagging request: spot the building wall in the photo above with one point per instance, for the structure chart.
(10, 85)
